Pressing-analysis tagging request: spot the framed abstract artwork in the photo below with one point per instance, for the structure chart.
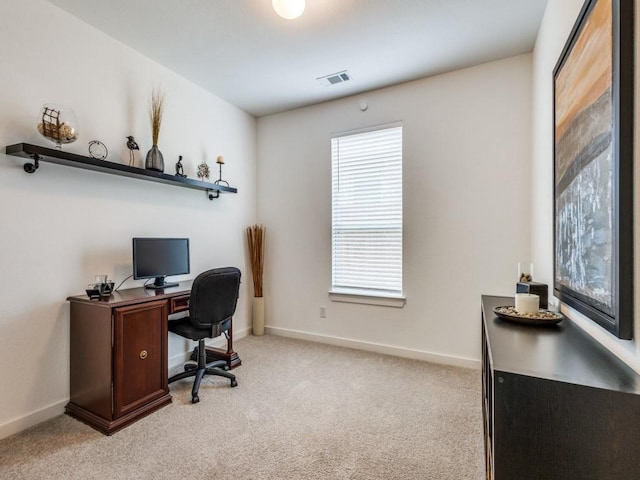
(593, 166)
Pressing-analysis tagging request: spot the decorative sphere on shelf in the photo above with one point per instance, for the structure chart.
(58, 124)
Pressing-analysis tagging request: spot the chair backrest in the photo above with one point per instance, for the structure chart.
(214, 295)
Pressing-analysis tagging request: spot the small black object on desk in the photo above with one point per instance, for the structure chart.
(536, 288)
(100, 290)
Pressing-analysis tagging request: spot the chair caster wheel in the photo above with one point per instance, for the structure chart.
(195, 399)
(234, 383)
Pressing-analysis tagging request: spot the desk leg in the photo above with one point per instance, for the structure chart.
(213, 354)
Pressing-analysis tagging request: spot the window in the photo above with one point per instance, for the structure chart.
(367, 213)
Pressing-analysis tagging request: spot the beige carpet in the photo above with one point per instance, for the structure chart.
(301, 411)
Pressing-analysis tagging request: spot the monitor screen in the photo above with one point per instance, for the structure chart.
(159, 258)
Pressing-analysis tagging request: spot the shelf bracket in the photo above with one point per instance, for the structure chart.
(32, 167)
(217, 182)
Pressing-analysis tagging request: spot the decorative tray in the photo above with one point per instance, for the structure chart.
(543, 317)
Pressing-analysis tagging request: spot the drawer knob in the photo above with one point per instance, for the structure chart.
(143, 354)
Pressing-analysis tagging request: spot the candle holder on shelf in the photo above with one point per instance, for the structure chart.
(526, 285)
(220, 162)
(220, 181)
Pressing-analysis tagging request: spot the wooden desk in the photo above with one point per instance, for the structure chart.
(119, 355)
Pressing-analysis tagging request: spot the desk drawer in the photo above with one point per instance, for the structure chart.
(179, 304)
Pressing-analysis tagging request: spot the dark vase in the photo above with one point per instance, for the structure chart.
(154, 161)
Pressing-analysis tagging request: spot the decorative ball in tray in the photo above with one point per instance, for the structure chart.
(541, 317)
(58, 124)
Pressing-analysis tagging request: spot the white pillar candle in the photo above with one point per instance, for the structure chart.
(527, 303)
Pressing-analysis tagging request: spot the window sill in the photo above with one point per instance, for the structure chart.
(373, 298)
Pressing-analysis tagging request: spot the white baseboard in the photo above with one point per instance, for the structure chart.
(179, 359)
(220, 342)
(238, 334)
(34, 418)
(22, 423)
(377, 347)
(14, 426)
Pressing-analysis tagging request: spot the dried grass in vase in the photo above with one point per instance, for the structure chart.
(255, 238)
(156, 109)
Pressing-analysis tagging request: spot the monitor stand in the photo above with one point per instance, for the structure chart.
(160, 284)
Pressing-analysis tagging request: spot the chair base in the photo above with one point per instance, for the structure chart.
(201, 369)
(233, 359)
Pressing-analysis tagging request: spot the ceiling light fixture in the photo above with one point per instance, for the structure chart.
(288, 9)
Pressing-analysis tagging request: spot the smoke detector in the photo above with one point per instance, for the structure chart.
(335, 78)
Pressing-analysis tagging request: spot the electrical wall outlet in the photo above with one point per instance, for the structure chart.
(323, 312)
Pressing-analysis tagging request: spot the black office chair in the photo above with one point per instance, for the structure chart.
(214, 295)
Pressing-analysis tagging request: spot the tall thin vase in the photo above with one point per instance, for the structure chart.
(155, 160)
(257, 315)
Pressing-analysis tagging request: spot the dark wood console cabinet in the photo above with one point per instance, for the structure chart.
(118, 362)
(556, 403)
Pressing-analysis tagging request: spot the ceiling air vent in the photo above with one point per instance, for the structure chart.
(334, 78)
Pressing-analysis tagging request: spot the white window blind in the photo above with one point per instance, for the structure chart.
(367, 212)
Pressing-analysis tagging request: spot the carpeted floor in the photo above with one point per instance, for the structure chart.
(301, 411)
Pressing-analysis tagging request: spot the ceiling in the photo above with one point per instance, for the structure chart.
(241, 51)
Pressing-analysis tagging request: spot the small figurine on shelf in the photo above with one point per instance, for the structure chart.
(131, 145)
(203, 171)
(525, 272)
(179, 169)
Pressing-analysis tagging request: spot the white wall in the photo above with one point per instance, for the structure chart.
(61, 226)
(466, 207)
(558, 21)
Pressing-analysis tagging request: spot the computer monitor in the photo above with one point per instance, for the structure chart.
(160, 258)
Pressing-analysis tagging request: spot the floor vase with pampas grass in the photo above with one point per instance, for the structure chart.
(255, 239)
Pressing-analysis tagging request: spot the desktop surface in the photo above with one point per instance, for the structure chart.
(131, 296)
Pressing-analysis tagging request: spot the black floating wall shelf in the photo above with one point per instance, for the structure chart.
(42, 154)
